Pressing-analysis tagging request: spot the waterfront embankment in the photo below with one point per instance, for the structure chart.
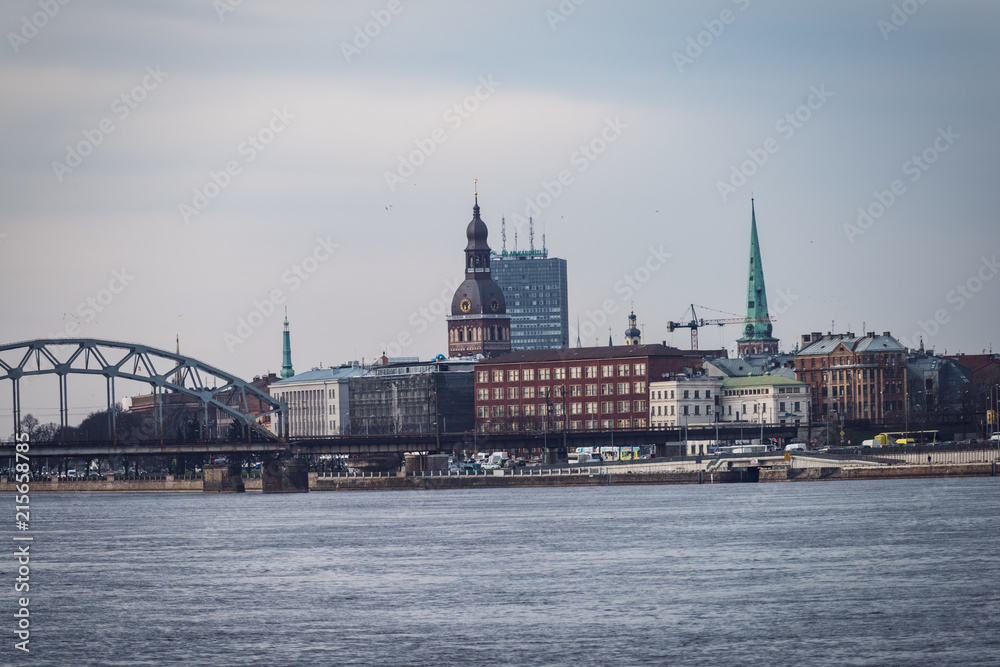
(638, 474)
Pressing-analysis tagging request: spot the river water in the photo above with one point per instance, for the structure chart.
(852, 573)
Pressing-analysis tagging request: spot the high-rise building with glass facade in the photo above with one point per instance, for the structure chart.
(534, 287)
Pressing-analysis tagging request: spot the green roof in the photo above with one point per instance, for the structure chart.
(759, 381)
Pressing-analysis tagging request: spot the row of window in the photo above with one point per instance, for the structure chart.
(557, 409)
(559, 391)
(846, 360)
(574, 425)
(560, 373)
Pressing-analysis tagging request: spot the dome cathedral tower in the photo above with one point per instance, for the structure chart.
(478, 324)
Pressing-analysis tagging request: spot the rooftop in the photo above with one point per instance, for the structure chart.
(760, 381)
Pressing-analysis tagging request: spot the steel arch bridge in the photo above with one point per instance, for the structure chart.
(164, 371)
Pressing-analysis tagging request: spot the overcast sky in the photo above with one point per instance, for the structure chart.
(177, 162)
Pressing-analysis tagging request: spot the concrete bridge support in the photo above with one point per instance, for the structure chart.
(223, 478)
(556, 455)
(285, 475)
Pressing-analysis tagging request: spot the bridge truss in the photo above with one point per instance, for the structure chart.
(164, 371)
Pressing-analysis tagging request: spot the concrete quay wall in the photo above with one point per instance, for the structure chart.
(84, 485)
(878, 472)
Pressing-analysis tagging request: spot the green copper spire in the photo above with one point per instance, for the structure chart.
(757, 326)
(286, 352)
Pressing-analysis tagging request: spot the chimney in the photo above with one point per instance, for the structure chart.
(885, 333)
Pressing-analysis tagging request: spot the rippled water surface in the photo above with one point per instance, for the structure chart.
(853, 573)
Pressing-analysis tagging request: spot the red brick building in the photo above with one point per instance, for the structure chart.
(592, 388)
(854, 378)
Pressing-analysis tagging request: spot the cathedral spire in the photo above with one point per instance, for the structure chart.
(286, 351)
(757, 337)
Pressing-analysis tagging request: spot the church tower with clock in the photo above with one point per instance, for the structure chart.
(478, 324)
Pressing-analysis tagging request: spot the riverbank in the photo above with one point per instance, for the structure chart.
(645, 474)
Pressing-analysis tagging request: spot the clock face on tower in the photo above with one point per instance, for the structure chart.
(494, 305)
(465, 305)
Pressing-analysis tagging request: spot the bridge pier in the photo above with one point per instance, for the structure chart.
(285, 475)
(223, 478)
(555, 455)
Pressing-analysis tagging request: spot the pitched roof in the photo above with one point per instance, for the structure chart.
(828, 344)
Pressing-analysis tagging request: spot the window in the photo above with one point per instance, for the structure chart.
(697, 410)
(606, 389)
(623, 423)
(529, 410)
(591, 390)
(496, 411)
(623, 387)
(672, 411)
(576, 408)
(575, 373)
(591, 408)
(497, 393)
(513, 410)
(576, 390)
(708, 393)
(511, 392)
(560, 390)
(482, 377)
(623, 370)
(639, 388)
(498, 376)
(482, 394)
(529, 392)
(557, 409)
(544, 392)
(529, 375)
(513, 376)
(623, 406)
(686, 392)
(482, 412)
(640, 423)
(797, 408)
(671, 393)
(606, 424)
(607, 407)
(544, 374)
(560, 374)
(639, 369)
(590, 424)
(607, 371)
(639, 406)
(781, 406)
(685, 410)
(591, 371)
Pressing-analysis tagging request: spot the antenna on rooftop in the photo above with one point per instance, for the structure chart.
(515, 239)
(531, 233)
(503, 232)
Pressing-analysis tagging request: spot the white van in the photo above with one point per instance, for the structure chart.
(795, 447)
(995, 437)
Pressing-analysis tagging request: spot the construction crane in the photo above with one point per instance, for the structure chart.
(696, 322)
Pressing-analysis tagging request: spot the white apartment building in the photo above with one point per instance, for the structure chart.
(768, 399)
(318, 400)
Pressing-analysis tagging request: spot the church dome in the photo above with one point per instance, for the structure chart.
(478, 297)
